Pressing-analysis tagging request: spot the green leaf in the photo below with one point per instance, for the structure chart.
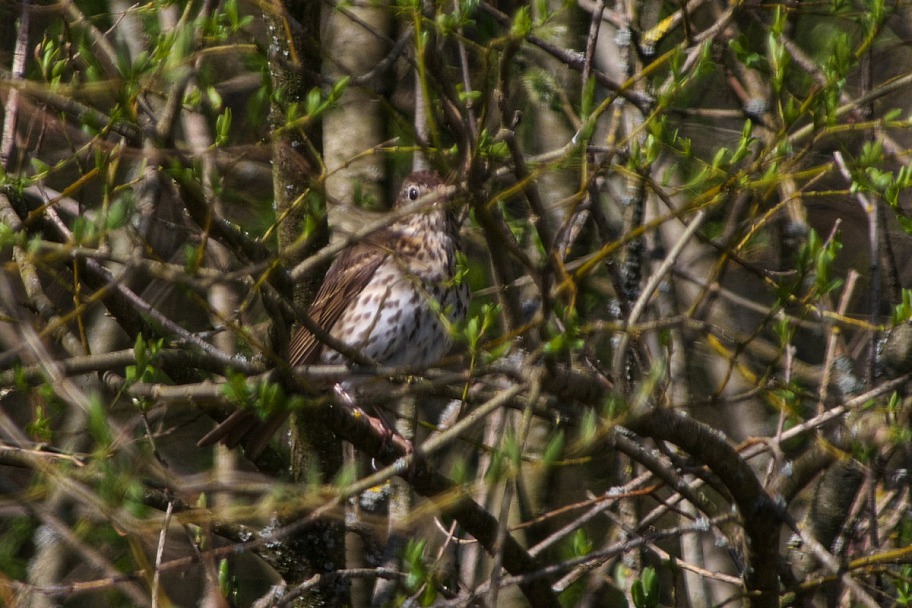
(459, 471)
(554, 449)
(8, 236)
(236, 389)
(119, 213)
(140, 353)
(522, 23)
(40, 428)
(582, 544)
(588, 428)
(314, 101)
(497, 467)
(223, 127)
(98, 425)
(415, 566)
(84, 231)
(338, 88)
(645, 590)
(224, 578)
(40, 166)
(214, 97)
(588, 100)
(555, 345)
(467, 95)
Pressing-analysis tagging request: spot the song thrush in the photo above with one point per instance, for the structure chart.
(389, 297)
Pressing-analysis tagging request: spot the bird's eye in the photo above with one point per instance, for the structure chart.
(413, 193)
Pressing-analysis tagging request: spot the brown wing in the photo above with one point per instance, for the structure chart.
(344, 280)
(347, 276)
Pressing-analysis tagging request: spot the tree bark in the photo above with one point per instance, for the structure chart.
(294, 60)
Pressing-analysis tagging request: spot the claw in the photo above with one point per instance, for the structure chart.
(382, 425)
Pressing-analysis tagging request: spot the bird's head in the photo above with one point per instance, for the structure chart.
(427, 193)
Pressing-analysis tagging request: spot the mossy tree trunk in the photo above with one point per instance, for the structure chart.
(294, 65)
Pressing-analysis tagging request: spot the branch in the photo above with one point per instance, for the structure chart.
(760, 515)
(577, 61)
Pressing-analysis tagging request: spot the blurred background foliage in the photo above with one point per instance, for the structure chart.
(683, 376)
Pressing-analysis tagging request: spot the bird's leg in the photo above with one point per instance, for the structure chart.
(382, 424)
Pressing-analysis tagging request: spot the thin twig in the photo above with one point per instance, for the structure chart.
(159, 554)
(11, 110)
(652, 284)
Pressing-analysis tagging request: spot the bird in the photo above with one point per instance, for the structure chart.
(391, 296)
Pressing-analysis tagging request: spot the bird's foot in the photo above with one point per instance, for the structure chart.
(382, 425)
